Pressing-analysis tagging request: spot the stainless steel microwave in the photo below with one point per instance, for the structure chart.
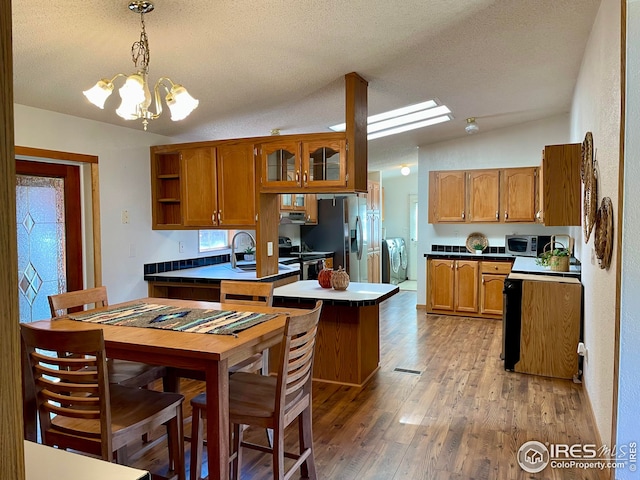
(525, 245)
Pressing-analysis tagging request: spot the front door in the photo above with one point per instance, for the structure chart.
(49, 230)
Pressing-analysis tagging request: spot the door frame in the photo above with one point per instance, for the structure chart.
(39, 154)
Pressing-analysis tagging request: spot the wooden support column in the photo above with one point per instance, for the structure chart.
(356, 118)
(12, 451)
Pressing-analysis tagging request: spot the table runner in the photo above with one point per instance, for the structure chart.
(168, 317)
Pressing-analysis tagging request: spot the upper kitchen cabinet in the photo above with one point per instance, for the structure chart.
(559, 185)
(281, 164)
(519, 194)
(447, 197)
(483, 196)
(311, 162)
(203, 187)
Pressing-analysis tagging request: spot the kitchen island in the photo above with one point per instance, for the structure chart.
(348, 341)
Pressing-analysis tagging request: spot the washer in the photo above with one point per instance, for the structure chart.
(403, 252)
(394, 260)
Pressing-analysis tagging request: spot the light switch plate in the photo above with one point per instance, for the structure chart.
(269, 249)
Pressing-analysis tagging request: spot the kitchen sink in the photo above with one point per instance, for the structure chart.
(251, 267)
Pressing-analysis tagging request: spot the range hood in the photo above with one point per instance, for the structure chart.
(293, 217)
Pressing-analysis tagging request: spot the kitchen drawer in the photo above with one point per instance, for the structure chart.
(496, 267)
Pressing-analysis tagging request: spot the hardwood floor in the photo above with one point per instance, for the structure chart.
(450, 413)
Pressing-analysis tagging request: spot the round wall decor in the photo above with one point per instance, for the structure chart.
(590, 205)
(603, 237)
(587, 154)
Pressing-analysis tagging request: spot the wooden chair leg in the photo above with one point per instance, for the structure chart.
(236, 448)
(196, 444)
(278, 454)
(305, 432)
(175, 441)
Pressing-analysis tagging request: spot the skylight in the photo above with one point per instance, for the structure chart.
(403, 119)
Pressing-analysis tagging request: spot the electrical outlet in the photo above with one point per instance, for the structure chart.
(269, 249)
(181, 247)
(125, 216)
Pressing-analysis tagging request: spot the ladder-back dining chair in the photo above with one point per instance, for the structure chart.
(123, 372)
(270, 402)
(79, 409)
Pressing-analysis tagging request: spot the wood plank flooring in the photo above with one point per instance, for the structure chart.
(452, 413)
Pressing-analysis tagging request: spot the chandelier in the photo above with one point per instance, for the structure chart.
(135, 93)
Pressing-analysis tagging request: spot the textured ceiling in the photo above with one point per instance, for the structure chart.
(259, 65)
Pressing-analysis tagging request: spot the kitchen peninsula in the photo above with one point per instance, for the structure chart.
(199, 278)
(348, 340)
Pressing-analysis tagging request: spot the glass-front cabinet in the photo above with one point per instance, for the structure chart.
(303, 164)
(281, 164)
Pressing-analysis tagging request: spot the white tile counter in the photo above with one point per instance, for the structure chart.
(355, 294)
(528, 265)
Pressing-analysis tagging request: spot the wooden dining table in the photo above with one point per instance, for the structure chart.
(210, 353)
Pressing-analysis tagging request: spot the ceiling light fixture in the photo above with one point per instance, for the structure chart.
(405, 170)
(472, 126)
(403, 119)
(135, 93)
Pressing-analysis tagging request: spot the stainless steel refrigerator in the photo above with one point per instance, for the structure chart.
(341, 229)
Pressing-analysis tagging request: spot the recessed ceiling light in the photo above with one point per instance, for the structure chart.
(406, 118)
(405, 170)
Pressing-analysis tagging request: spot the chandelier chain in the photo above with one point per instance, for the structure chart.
(140, 50)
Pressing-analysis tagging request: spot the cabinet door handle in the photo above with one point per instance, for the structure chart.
(506, 215)
(213, 218)
(497, 215)
(304, 178)
(463, 215)
(219, 215)
(483, 280)
(452, 265)
(297, 176)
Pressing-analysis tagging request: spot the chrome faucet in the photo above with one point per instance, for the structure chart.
(233, 246)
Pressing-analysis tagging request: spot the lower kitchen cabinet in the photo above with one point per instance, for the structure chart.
(452, 286)
(492, 276)
(466, 287)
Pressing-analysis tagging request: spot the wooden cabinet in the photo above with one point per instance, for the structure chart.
(311, 208)
(492, 277)
(373, 195)
(305, 203)
(313, 163)
(559, 185)
(373, 267)
(204, 187)
(374, 232)
(453, 285)
(518, 200)
(466, 287)
(483, 196)
(447, 197)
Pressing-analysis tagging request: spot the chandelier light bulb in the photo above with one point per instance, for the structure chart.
(99, 93)
(180, 102)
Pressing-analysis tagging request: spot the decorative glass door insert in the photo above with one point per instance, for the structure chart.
(41, 243)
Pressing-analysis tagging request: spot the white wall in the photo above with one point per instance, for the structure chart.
(596, 108)
(628, 386)
(517, 146)
(125, 183)
(397, 189)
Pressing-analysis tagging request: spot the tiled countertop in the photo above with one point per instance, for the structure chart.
(221, 271)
